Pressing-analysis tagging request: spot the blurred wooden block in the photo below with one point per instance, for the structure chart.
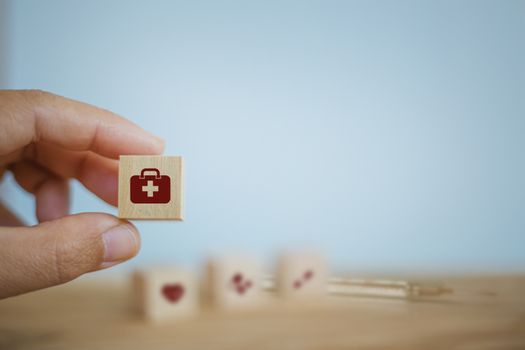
(234, 282)
(301, 275)
(150, 187)
(165, 293)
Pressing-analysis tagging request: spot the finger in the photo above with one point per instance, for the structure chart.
(58, 251)
(7, 218)
(52, 200)
(98, 174)
(51, 192)
(32, 116)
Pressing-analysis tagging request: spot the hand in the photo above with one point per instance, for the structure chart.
(46, 139)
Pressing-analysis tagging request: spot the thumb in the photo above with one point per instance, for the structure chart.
(58, 251)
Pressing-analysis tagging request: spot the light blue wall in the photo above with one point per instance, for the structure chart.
(389, 133)
(4, 37)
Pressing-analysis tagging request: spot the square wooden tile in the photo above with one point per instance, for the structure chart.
(302, 275)
(166, 293)
(234, 282)
(150, 187)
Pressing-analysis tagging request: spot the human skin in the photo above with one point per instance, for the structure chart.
(45, 140)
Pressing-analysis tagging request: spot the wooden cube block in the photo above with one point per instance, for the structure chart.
(150, 187)
(301, 275)
(234, 283)
(166, 293)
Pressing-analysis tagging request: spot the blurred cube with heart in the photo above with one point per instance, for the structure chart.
(150, 187)
(233, 282)
(301, 275)
(166, 293)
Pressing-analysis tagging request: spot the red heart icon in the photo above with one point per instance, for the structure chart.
(173, 292)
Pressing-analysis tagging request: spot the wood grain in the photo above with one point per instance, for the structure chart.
(486, 313)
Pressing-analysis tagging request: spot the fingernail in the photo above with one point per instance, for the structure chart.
(162, 144)
(120, 243)
(158, 140)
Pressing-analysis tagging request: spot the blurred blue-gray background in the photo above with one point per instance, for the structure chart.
(390, 134)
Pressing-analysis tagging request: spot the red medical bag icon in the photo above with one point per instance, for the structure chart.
(150, 188)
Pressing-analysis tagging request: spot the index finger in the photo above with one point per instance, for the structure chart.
(28, 116)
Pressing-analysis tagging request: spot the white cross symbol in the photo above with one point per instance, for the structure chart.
(150, 188)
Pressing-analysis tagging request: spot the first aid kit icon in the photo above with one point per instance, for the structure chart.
(152, 188)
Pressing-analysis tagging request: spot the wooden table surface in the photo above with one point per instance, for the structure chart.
(483, 313)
